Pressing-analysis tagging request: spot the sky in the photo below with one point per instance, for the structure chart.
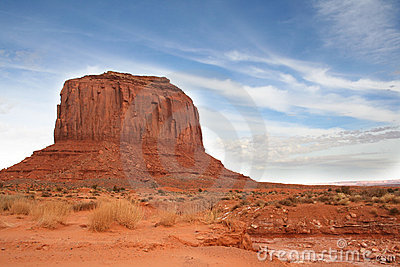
(287, 91)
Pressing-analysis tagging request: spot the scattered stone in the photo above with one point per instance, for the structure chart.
(254, 226)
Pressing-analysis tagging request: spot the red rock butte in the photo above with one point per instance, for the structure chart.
(126, 130)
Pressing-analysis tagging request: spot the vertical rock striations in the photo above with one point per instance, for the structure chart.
(115, 106)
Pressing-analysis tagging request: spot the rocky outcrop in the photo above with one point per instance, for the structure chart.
(122, 107)
(117, 128)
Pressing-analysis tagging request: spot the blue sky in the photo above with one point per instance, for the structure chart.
(288, 91)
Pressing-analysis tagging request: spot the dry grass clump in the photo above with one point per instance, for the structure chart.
(127, 213)
(167, 218)
(50, 214)
(21, 206)
(191, 212)
(102, 217)
(6, 201)
(212, 216)
(390, 198)
(123, 212)
(82, 206)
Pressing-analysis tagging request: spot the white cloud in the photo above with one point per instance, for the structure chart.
(283, 101)
(314, 73)
(328, 153)
(367, 28)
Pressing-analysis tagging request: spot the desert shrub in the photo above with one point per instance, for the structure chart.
(167, 218)
(6, 201)
(102, 218)
(356, 198)
(376, 200)
(387, 198)
(374, 192)
(340, 199)
(394, 211)
(127, 213)
(51, 213)
(21, 206)
(305, 199)
(345, 190)
(324, 198)
(343, 201)
(390, 198)
(286, 202)
(82, 206)
(212, 216)
(123, 212)
(191, 212)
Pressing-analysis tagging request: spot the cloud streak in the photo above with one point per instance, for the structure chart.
(366, 28)
(284, 101)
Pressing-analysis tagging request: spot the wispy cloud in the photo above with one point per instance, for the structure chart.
(315, 73)
(366, 28)
(319, 148)
(284, 101)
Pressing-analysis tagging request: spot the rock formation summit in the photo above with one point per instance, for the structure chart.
(120, 129)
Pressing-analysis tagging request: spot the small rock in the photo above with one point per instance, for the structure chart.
(3, 248)
(353, 215)
(364, 245)
(348, 217)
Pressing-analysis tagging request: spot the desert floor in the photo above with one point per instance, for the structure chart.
(221, 228)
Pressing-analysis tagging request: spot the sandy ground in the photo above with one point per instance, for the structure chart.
(23, 244)
(307, 226)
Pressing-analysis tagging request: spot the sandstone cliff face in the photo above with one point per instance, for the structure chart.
(120, 129)
(122, 107)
